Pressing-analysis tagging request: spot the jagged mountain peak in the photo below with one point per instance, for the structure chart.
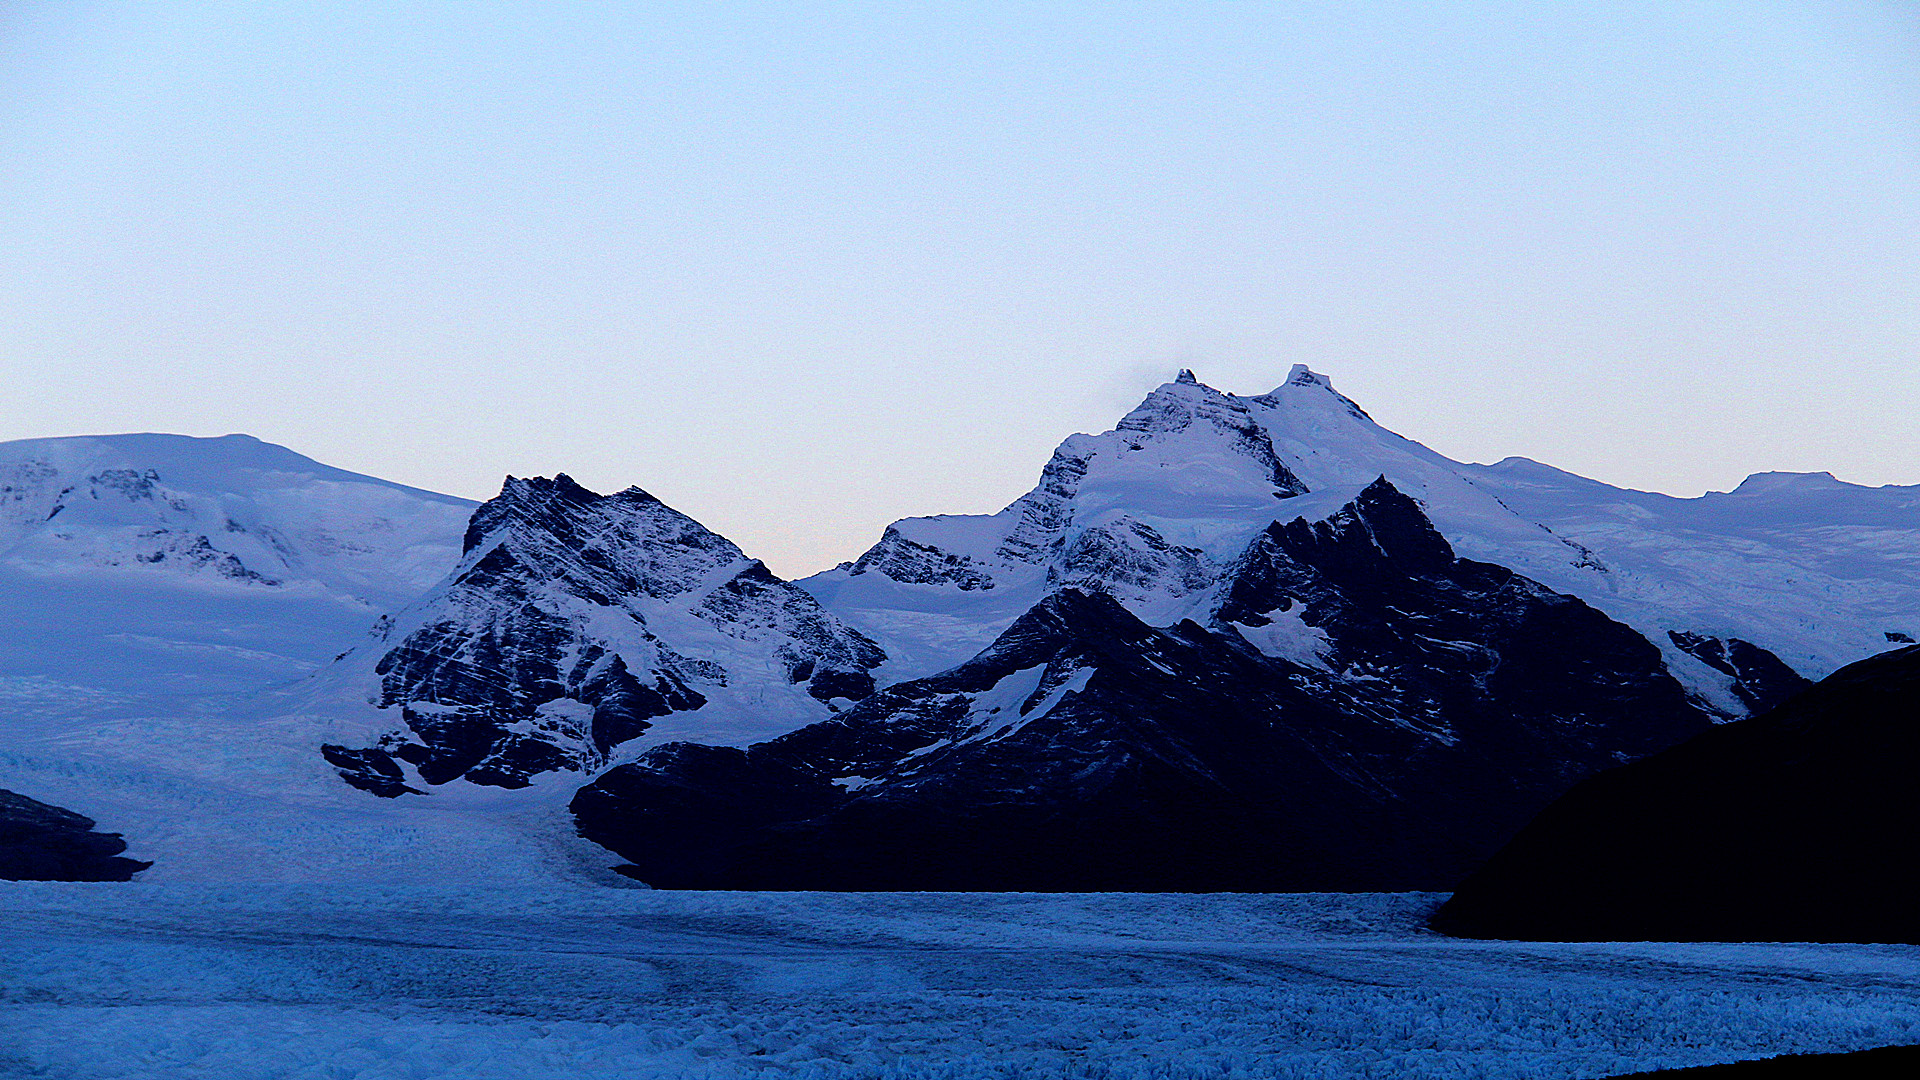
(575, 623)
(1391, 521)
(1174, 406)
(1302, 375)
(627, 543)
(1306, 387)
(1185, 377)
(1152, 512)
(1149, 512)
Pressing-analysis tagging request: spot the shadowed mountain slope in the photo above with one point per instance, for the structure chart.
(1799, 825)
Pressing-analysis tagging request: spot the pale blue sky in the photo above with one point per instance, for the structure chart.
(802, 269)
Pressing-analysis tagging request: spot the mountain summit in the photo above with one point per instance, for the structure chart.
(575, 622)
(1158, 510)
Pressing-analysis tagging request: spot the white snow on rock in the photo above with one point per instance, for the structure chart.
(231, 509)
(1157, 511)
(557, 574)
(1153, 512)
(1288, 636)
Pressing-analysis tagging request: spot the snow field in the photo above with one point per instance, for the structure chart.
(403, 982)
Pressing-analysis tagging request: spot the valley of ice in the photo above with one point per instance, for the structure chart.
(206, 982)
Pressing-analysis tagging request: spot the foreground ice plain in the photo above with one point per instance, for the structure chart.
(333, 981)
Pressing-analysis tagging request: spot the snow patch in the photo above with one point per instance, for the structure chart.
(1288, 636)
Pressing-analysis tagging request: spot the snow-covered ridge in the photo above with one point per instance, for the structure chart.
(135, 564)
(233, 508)
(1156, 511)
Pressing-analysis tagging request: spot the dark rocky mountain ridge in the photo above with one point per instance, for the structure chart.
(1086, 750)
(542, 651)
(1802, 824)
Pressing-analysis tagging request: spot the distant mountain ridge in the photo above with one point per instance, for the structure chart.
(1218, 580)
(232, 508)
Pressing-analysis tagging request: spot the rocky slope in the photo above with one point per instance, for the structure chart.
(574, 623)
(1797, 825)
(1361, 709)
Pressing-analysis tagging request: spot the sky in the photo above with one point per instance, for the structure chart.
(803, 269)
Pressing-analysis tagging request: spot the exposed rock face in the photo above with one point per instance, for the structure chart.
(919, 564)
(39, 842)
(1363, 710)
(1798, 825)
(555, 641)
(1470, 651)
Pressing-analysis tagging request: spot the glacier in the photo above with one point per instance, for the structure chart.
(397, 983)
(171, 603)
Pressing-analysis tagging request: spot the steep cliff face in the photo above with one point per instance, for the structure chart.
(574, 622)
(1760, 680)
(1362, 710)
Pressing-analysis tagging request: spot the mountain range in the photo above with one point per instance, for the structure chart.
(1235, 642)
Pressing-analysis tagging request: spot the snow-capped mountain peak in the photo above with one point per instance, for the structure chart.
(629, 542)
(1156, 511)
(1151, 512)
(574, 623)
